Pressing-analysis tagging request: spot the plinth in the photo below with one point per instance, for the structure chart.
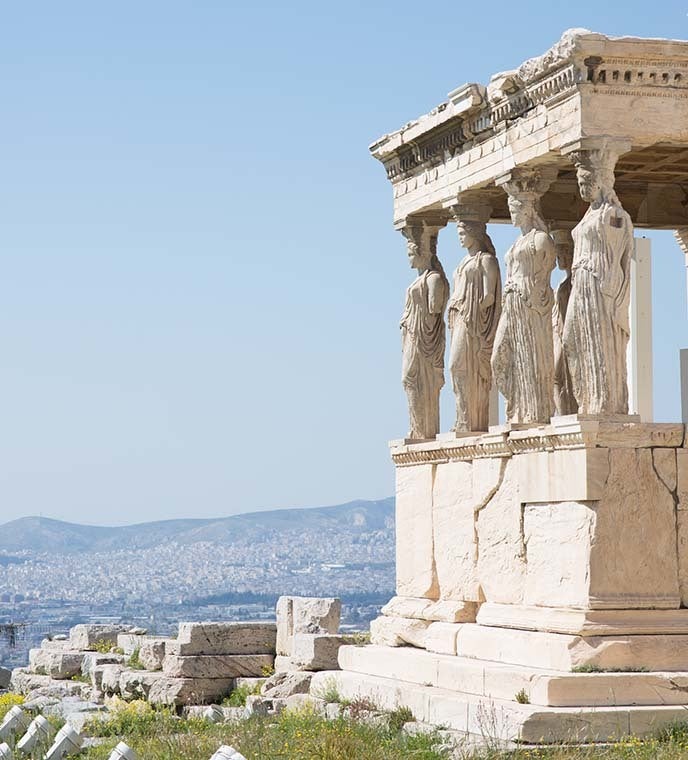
(542, 580)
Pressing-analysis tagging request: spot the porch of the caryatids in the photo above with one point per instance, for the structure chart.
(523, 353)
(423, 329)
(473, 313)
(596, 329)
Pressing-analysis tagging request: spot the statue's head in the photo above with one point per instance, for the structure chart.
(563, 245)
(418, 254)
(473, 237)
(595, 172)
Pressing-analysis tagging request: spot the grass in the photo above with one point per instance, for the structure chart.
(238, 697)
(134, 660)
(297, 735)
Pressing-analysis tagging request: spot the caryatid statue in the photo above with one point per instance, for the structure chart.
(473, 314)
(523, 353)
(423, 332)
(564, 400)
(597, 329)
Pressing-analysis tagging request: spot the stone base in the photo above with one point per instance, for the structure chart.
(564, 652)
(480, 697)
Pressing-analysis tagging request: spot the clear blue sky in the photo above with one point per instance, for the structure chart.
(200, 285)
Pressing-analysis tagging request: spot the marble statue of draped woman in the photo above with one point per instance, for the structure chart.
(423, 343)
(597, 328)
(523, 354)
(473, 314)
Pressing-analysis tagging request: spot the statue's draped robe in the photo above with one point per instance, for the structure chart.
(597, 328)
(473, 329)
(564, 399)
(423, 342)
(523, 354)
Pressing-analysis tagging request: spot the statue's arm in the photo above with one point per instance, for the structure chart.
(438, 293)
(490, 268)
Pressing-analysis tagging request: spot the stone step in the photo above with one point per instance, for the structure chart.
(495, 680)
(496, 718)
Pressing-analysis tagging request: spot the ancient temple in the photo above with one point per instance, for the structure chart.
(542, 564)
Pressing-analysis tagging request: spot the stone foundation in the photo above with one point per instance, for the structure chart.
(536, 562)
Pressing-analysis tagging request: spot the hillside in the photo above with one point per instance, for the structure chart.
(40, 534)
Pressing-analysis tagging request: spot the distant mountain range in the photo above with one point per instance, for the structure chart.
(41, 534)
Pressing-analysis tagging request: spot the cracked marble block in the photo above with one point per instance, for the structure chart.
(578, 514)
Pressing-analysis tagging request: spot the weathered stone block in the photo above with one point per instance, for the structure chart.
(136, 684)
(130, 642)
(416, 571)
(501, 550)
(316, 615)
(441, 637)
(86, 637)
(398, 632)
(285, 624)
(316, 651)
(57, 664)
(152, 653)
(283, 685)
(217, 666)
(106, 678)
(189, 691)
(93, 659)
(453, 522)
(223, 638)
(5, 678)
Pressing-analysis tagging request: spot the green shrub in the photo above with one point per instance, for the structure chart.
(8, 701)
(134, 660)
(237, 698)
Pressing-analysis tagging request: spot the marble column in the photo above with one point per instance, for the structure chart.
(423, 329)
(523, 353)
(597, 329)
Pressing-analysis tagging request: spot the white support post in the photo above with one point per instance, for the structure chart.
(684, 385)
(640, 344)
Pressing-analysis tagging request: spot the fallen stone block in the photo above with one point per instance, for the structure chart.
(5, 678)
(224, 638)
(305, 701)
(316, 651)
(284, 664)
(129, 642)
(137, 684)
(33, 685)
(123, 752)
(283, 685)
(106, 678)
(93, 659)
(39, 734)
(58, 664)
(217, 666)
(316, 615)
(234, 714)
(87, 637)
(189, 691)
(264, 706)
(39, 704)
(152, 653)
